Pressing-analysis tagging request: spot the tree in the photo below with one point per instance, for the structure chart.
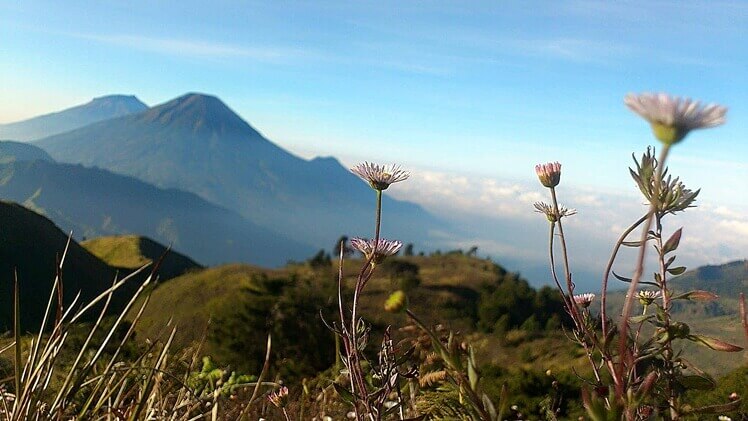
(473, 251)
(347, 251)
(320, 260)
(408, 250)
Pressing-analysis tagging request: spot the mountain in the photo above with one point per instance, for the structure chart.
(134, 251)
(30, 245)
(196, 143)
(11, 151)
(92, 202)
(98, 109)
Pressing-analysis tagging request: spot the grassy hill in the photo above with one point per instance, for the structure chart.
(31, 245)
(717, 318)
(133, 251)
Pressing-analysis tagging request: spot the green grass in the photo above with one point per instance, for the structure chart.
(133, 251)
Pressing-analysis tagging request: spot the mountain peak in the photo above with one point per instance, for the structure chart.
(98, 109)
(119, 104)
(199, 112)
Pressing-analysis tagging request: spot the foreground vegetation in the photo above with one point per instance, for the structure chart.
(381, 336)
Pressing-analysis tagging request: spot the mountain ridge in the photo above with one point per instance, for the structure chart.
(98, 109)
(93, 202)
(197, 143)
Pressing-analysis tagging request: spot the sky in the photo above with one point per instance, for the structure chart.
(468, 95)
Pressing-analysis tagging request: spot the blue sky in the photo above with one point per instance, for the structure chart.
(480, 90)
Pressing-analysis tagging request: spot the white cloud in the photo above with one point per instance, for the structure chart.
(196, 48)
(498, 217)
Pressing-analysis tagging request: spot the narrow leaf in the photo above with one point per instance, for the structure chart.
(17, 335)
(697, 382)
(621, 278)
(672, 243)
(488, 405)
(472, 372)
(744, 314)
(344, 393)
(677, 270)
(715, 344)
(697, 295)
(715, 409)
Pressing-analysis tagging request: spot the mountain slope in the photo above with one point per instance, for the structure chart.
(92, 202)
(11, 151)
(196, 143)
(133, 251)
(98, 109)
(30, 244)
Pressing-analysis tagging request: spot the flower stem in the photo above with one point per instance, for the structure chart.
(609, 267)
(626, 313)
(378, 222)
(565, 254)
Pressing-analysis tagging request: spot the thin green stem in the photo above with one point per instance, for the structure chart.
(564, 252)
(639, 269)
(609, 267)
(378, 222)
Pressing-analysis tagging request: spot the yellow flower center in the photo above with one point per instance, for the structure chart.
(668, 135)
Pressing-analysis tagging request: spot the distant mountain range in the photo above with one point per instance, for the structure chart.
(98, 109)
(92, 202)
(197, 144)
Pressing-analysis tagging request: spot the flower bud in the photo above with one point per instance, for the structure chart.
(397, 302)
(549, 174)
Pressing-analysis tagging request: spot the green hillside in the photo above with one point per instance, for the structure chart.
(31, 245)
(133, 251)
(455, 290)
(718, 318)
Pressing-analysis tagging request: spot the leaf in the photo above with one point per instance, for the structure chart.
(391, 410)
(714, 409)
(697, 295)
(672, 243)
(488, 405)
(631, 243)
(715, 344)
(677, 270)
(693, 382)
(628, 280)
(641, 318)
(472, 372)
(503, 402)
(621, 278)
(344, 393)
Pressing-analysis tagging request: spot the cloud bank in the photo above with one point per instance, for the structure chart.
(498, 217)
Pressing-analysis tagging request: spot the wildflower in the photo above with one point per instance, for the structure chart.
(380, 177)
(376, 252)
(724, 418)
(549, 174)
(396, 302)
(279, 397)
(734, 396)
(647, 297)
(673, 117)
(668, 194)
(550, 213)
(584, 300)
